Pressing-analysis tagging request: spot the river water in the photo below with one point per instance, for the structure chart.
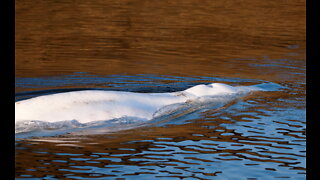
(165, 46)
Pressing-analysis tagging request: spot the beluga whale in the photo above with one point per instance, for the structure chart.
(87, 106)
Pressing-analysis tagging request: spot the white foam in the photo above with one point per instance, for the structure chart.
(97, 105)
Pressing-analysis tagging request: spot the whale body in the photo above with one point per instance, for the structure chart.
(98, 105)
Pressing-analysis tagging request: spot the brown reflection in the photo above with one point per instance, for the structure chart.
(216, 38)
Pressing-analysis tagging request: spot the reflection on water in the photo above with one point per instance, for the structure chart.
(159, 46)
(157, 37)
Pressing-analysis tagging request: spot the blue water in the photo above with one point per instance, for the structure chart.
(260, 136)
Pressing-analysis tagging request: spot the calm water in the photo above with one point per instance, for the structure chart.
(159, 46)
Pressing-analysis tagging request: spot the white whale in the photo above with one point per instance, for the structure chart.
(98, 105)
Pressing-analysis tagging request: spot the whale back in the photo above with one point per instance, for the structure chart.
(213, 89)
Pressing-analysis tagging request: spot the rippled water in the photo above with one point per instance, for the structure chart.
(157, 46)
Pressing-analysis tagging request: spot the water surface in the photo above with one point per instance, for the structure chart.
(158, 46)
